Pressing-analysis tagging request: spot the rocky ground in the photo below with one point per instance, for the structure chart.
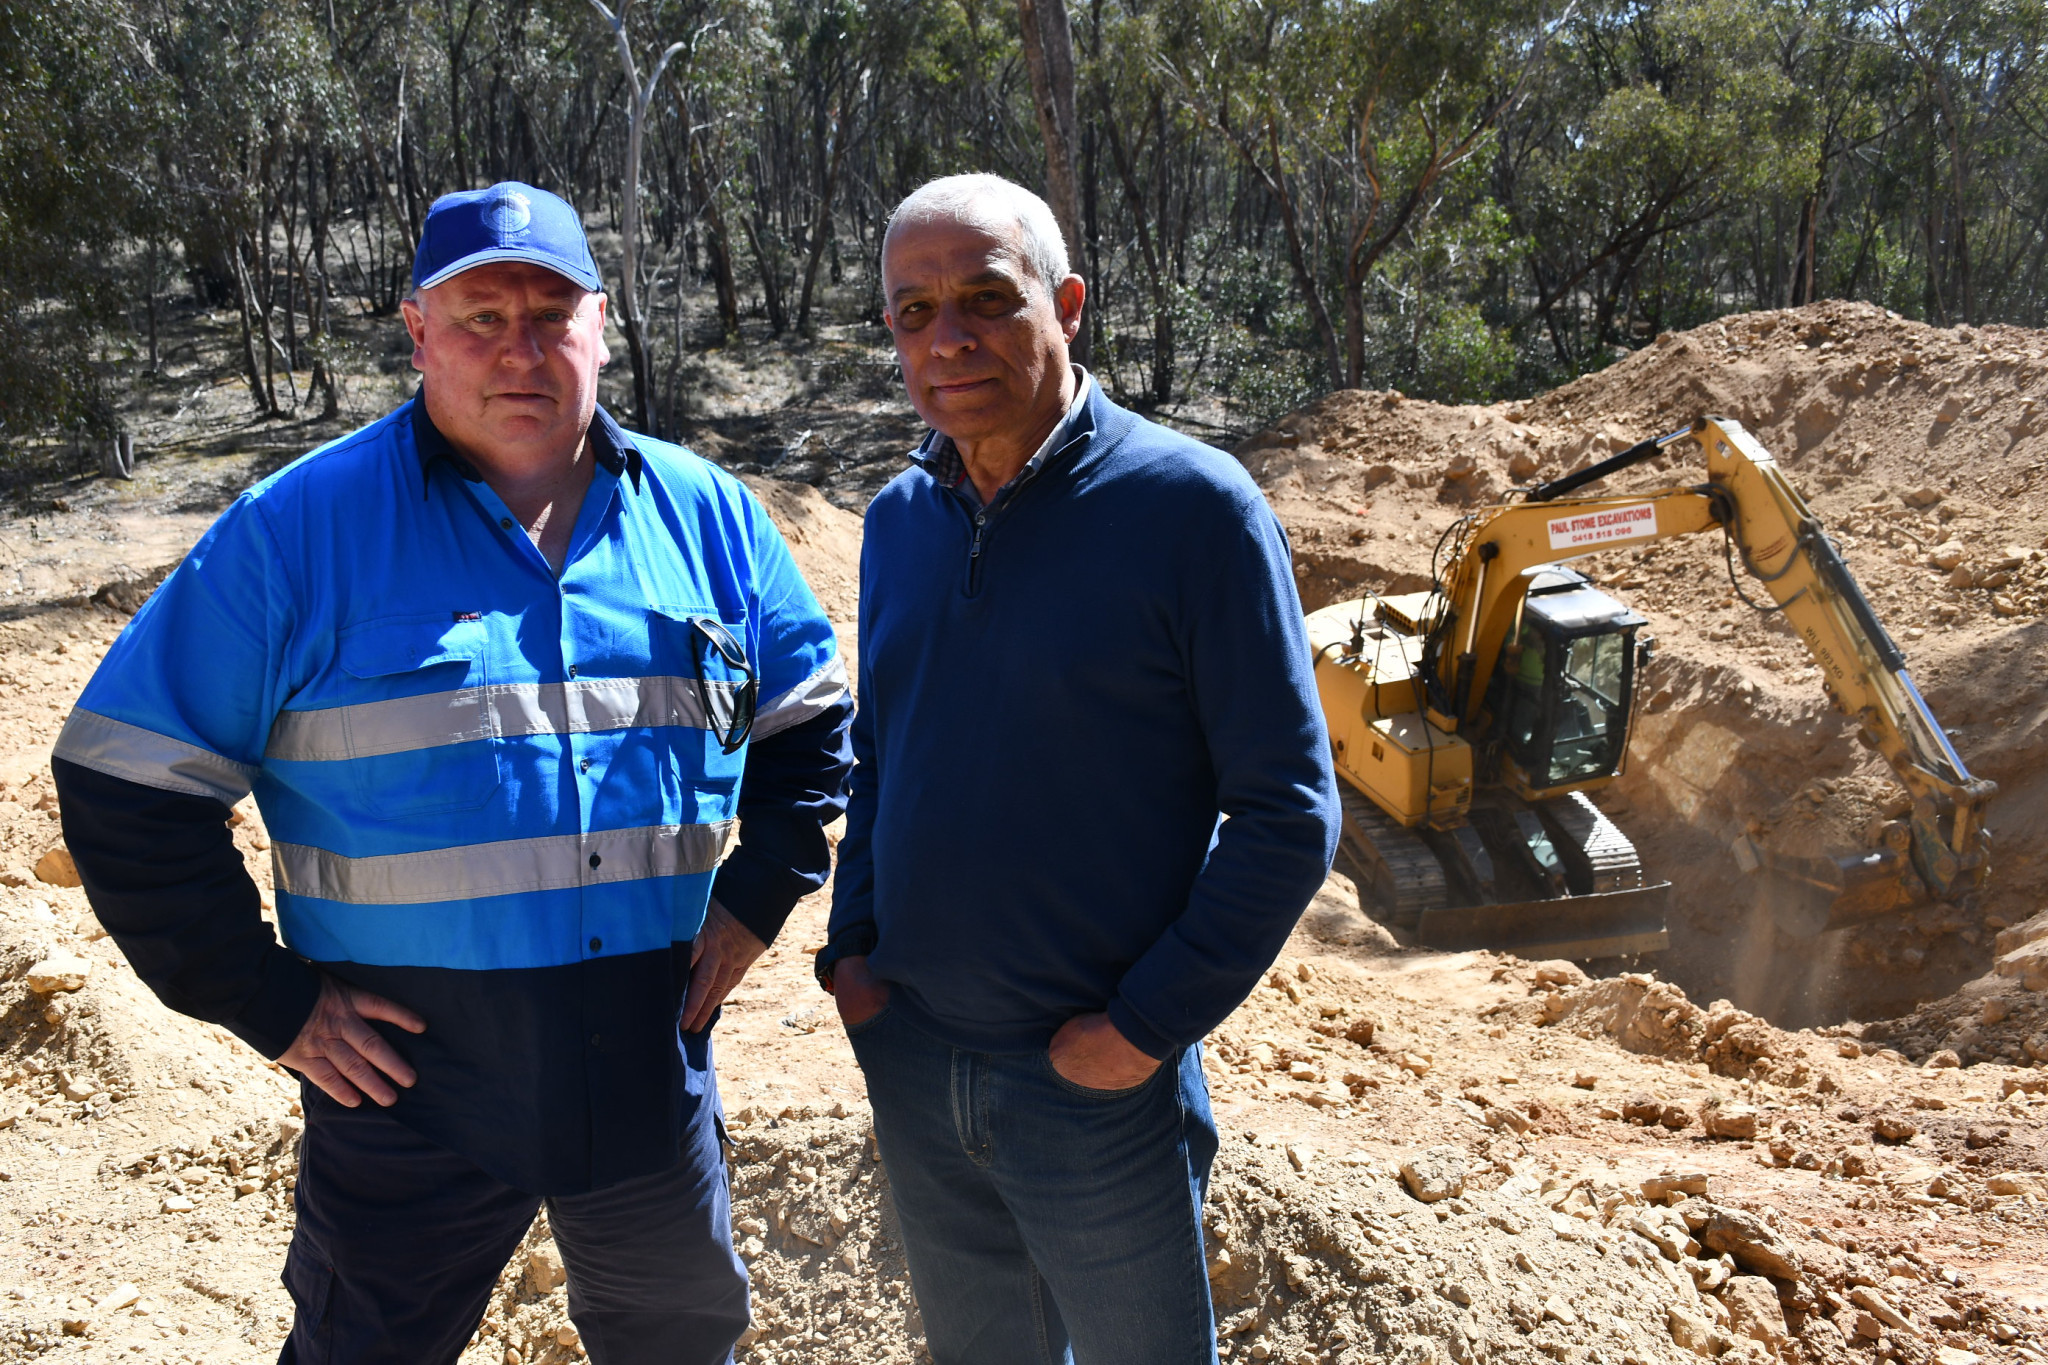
(1427, 1157)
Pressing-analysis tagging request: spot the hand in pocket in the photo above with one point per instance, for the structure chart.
(858, 993)
(1088, 1051)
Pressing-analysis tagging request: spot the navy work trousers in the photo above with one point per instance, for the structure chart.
(1045, 1224)
(399, 1243)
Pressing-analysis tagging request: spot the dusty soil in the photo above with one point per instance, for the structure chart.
(1427, 1157)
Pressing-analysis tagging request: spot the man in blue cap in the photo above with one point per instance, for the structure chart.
(507, 683)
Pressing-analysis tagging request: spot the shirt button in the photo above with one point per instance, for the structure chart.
(584, 766)
(572, 670)
(596, 1039)
(595, 859)
(505, 522)
(597, 945)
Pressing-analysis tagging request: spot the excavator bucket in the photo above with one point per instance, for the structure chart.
(1808, 896)
(1603, 924)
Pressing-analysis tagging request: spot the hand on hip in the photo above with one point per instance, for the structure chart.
(338, 1051)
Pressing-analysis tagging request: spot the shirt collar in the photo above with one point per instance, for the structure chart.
(607, 441)
(940, 458)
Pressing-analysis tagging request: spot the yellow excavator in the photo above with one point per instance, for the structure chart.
(1470, 722)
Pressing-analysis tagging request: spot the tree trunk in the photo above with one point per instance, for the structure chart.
(266, 403)
(1802, 259)
(1275, 183)
(821, 223)
(291, 268)
(149, 298)
(771, 288)
(1151, 253)
(318, 327)
(117, 457)
(717, 243)
(1049, 52)
(400, 159)
(629, 262)
(638, 97)
(457, 41)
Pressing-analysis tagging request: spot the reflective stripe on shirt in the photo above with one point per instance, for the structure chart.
(433, 716)
(814, 694)
(119, 749)
(509, 710)
(500, 711)
(553, 862)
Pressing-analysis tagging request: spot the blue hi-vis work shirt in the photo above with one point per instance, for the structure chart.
(495, 794)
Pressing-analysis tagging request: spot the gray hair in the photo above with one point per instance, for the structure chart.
(989, 201)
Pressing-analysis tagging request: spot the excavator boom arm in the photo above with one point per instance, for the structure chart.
(1783, 545)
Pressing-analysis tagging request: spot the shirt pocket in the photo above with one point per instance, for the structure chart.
(712, 701)
(709, 657)
(424, 741)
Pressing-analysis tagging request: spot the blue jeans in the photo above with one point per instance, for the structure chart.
(1045, 1224)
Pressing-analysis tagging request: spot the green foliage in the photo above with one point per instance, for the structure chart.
(1257, 341)
(63, 211)
(1465, 199)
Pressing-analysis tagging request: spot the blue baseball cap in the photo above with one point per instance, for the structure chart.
(507, 222)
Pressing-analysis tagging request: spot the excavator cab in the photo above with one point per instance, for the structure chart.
(1564, 687)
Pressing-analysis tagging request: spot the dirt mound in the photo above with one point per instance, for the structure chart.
(810, 1217)
(1425, 1158)
(1920, 448)
(1434, 1256)
(126, 595)
(824, 539)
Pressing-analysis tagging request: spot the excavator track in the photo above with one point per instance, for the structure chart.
(1601, 906)
(1603, 854)
(1609, 911)
(1405, 879)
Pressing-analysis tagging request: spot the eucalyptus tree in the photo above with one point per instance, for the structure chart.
(79, 106)
(1351, 116)
(1658, 118)
(632, 306)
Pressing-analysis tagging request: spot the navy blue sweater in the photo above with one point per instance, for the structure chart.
(1056, 709)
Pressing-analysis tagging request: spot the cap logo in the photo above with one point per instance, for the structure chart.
(508, 213)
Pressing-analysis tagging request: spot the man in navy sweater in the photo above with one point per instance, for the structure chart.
(1093, 795)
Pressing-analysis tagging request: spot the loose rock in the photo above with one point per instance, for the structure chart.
(60, 971)
(1732, 1121)
(1660, 1187)
(1879, 1307)
(56, 867)
(1753, 1310)
(1438, 1173)
(544, 1268)
(1747, 1238)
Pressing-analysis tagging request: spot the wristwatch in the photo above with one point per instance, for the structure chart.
(856, 940)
